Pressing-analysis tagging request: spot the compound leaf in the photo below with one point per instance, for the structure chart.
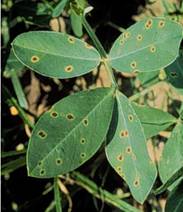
(153, 120)
(148, 45)
(172, 156)
(70, 133)
(55, 54)
(127, 151)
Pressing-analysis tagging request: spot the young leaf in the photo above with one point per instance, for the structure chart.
(175, 73)
(175, 199)
(55, 54)
(153, 120)
(76, 23)
(57, 11)
(146, 46)
(127, 151)
(172, 157)
(70, 133)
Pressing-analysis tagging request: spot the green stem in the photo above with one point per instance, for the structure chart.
(101, 50)
(12, 101)
(57, 196)
(102, 194)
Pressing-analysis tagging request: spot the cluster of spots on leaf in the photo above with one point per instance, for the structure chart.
(130, 117)
(83, 141)
(71, 39)
(42, 172)
(69, 68)
(42, 134)
(35, 59)
(148, 24)
(124, 133)
(133, 64)
(83, 155)
(128, 150)
(126, 35)
(59, 161)
(152, 48)
(173, 74)
(54, 114)
(161, 24)
(139, 37)
(85, 122)
(70, 117)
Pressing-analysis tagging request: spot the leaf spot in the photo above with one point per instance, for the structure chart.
(85, 122)
(152, 49)
(83, 141)
(69, 68)
(59, 161)
(130, 117)
(124, 133)
(148, 24)
(40, 163)
(121, 41)
(133, 64)
(42, 134)
(88, 46)
(161, 24)
(54, 114)
(139, 37)
(35, 59)
(120, 157)
(71, 39)
(70, 117)
(128, 150)
(119, 169)
(136, 182)
(42, 172)
(126, 35)
(83, 155)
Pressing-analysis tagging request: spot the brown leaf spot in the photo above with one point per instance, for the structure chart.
(69, 68)
(35, 59)
(54, 114)
(42, 134)
(148, 24)
(124, 133)
(71, 39)
(70, 117)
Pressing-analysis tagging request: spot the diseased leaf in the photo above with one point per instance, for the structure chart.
(70, 133)
(148, 45)
(55, 54)
(127, 151)
(153, 120)
(175, 199)
(175, 73)
(172, 156)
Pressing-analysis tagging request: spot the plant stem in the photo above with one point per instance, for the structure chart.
(57, 196)
(102, 194)
(101, 50)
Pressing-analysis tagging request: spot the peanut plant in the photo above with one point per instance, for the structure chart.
(74, 129)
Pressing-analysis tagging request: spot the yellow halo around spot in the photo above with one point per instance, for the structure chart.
(133, 64)
(69, 68)
(139, 37)
(148, 24)
(71, 39)
(161, 24)
(35, 59)
(152, 48)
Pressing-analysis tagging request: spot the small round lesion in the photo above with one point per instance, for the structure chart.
(161, 24)
(133, 64)
(54, 114)
(35, 59)
(152, 48)
(126, 35)
(136, 182)
(70, 117)
(120, 157)
(139, 37)
(83, 155)
(130, 117)
(85, 122)
(42, 134)
(83, 141)
(173, 74)
(128, 150)
(42, 172)
(71, 39)
(69, 68)
(59, 161)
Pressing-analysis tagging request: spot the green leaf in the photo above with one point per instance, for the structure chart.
(57, 195)
(175, 73)
(148, 45)
(148, 79)
(76, 23)
(153, 120)
(55, 54)
(59, 8)
(175, 199)
(172, 157)
(70, 133)
(127, 151)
